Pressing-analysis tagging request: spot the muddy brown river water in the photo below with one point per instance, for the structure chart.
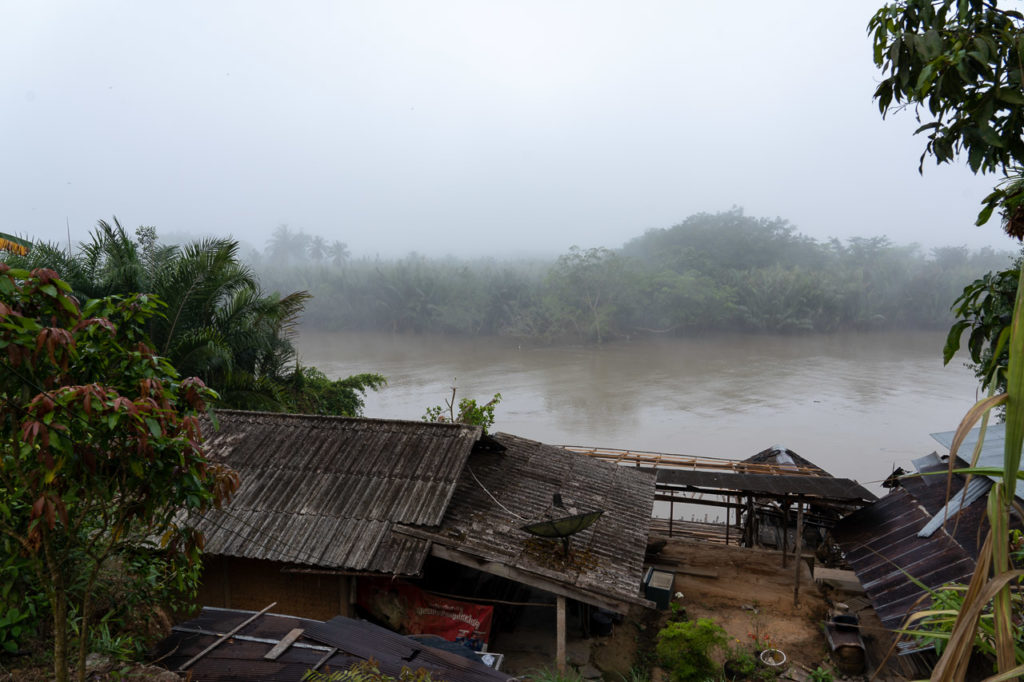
(855, 404)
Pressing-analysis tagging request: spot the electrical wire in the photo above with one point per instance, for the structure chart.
(484, 488)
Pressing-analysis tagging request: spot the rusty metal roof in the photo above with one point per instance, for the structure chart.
(241, 658)
(881, 545)
(881, 541)
(498, 493)
(326, 491)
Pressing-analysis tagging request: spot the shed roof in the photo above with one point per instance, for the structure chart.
(327, 491)
(883, 545)
(336, 644)
(499, 493)
(824, 488)
(782, 456)
(992, 449)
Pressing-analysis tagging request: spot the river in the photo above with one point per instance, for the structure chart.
(855, 404)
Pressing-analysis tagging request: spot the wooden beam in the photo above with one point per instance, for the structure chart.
(326, 657)
(190, 662)
(534, 580)
(560, 633)
(283, 644)
(662, 497)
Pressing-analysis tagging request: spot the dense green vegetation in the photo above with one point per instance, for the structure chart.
(959, 66)
(216, 323)
(100, 452)
(712, 272)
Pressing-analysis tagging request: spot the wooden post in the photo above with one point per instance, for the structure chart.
(227, 583)
(751, 530)
(799, 548)
(785, 531)
(671, 511)
(560, 633)
(728, 519)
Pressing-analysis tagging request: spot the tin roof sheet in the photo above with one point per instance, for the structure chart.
(881, 545)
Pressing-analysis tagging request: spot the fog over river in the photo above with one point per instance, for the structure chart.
(855, 404)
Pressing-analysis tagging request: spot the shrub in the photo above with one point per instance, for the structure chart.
(684, 649)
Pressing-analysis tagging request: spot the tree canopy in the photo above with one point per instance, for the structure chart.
(100, 445)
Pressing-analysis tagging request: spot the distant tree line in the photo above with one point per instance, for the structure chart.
(712, 272)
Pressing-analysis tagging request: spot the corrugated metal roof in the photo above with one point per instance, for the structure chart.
(822, 487)
(967, 526)
(500, 492)
(239, 659)
(881, 545)
(880, 540)
(325, 491)
(991, 450)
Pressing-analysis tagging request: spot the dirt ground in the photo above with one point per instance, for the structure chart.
(744, 590)
(747, 591)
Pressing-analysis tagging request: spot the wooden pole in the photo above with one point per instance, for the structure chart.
(728, 519)
(188, 664)
(671, 512)
(785, 531)
(560, 633)
(227, 583)
(799, 548)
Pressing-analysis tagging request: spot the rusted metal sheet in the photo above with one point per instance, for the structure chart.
(820, 487)
(342, 641)
(969, 525)
(325, 491)
(881, 545)
(499, 492)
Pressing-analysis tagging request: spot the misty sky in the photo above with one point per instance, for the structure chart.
(505, 128)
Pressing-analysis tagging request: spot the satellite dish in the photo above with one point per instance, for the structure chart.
(563, 527)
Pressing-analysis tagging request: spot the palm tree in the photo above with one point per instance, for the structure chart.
(316, 248)
(338, 253)
(218, 324)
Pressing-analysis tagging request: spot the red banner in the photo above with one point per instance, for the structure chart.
(409, 610)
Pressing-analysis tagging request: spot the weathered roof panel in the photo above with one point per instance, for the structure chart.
(326, 491)
(240, 659)
(881, 545)
(498, 493)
